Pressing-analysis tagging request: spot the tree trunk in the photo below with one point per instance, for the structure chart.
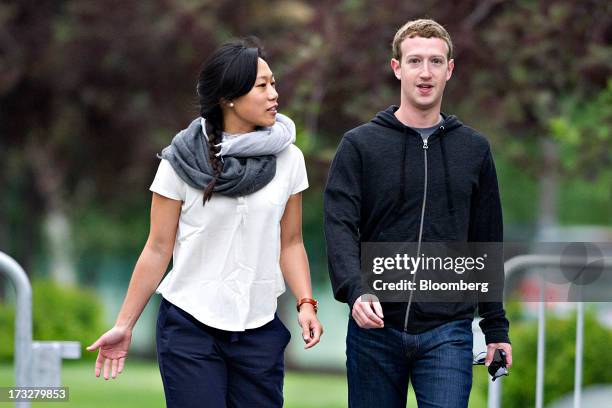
(549, 184)
(57, 231)
(58, 235)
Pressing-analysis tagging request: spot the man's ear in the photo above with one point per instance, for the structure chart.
(396, 67)
(451, 67)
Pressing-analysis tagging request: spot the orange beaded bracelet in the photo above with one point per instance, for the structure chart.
(313, 302)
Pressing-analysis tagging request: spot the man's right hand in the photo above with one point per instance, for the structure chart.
(367, 312)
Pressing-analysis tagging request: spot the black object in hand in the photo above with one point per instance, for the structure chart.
(498, 368)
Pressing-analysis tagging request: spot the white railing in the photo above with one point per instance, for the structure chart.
(37, 363)
(522, 262)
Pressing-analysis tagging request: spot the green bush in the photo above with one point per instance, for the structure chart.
(519, 388)
(58, 313)
(7, 331)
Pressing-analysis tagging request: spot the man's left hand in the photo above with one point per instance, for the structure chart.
(491, 347)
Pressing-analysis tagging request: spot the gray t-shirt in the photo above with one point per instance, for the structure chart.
(428, 131)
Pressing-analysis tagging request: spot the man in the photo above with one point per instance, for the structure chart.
(412, 174)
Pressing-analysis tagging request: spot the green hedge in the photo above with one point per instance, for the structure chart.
(59, 313)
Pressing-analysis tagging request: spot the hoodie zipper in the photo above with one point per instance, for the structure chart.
(425, 147)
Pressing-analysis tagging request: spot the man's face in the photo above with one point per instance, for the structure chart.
(423, 71)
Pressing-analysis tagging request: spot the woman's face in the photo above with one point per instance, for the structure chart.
(256, 108)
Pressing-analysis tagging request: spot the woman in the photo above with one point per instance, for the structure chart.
(227, 208)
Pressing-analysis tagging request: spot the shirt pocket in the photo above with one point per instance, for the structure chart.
(276, 192)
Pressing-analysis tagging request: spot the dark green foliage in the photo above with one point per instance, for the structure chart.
(69, 314)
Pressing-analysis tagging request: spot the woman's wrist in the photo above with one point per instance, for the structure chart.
(124, 325)
(309, 302)
(307, 307)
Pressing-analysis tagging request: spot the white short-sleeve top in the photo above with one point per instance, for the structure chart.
(225, 263)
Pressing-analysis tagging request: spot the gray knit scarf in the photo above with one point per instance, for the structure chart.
(188, 155)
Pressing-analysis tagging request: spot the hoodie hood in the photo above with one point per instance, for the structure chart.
(388, 119)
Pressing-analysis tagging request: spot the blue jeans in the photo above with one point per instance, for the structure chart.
(380, 362)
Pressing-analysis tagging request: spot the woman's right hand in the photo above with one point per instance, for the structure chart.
(113, 349)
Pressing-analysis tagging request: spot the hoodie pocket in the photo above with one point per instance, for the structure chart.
(393, 236)
(428, 311)
(398, 229)
(442, 229)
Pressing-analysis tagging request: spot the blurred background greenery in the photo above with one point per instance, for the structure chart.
(90, 91)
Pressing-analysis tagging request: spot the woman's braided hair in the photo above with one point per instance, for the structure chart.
(228, 73)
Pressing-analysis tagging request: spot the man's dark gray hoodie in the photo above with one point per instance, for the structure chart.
(375, 193)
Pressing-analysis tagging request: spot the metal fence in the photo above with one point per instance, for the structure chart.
(37, 363)
(522, 262)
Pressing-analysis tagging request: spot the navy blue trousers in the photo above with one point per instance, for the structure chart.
(202, 366)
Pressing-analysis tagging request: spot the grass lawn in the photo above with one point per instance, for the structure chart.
(140, 386)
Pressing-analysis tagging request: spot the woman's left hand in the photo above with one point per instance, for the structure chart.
(311, 327)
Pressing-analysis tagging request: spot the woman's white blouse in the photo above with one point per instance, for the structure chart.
(225, 265)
